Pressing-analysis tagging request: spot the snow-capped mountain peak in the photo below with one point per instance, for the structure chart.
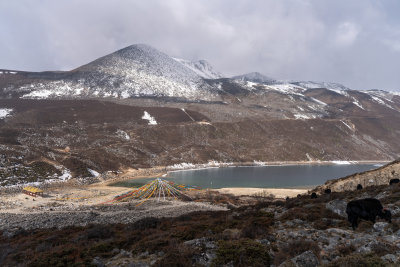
(137, 70)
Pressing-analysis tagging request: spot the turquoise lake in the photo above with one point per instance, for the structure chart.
(282, 176)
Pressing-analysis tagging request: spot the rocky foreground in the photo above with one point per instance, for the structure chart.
(239, 231)
(56, 217)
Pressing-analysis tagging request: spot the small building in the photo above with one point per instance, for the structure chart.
(32, 191)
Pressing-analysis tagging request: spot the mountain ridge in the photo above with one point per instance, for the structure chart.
(255, 77)
(140, 70)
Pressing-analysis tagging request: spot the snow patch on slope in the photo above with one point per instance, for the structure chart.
(304, 116)
(318, 101)
(5, 112)
(355, 102)
(66, 174)
(123, 134)
(287, 88)
(381, 102)
(348, 126)
(187, 114)
(54, 89)
(7, 72)
(94, 173)
(149, 118)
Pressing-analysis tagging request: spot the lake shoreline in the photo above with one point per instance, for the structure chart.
(163, 171)
(270, 163)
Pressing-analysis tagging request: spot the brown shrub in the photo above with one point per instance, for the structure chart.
(382, 249)
(176, 255)
(358, 260)
(243, 252)
(310, 214)
(345, 250)
(258, 227)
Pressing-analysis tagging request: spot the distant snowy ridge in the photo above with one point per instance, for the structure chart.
(382, 97)
(337, 87)
(201, 67)
(142, 71)
(191, 166)
(255, 77)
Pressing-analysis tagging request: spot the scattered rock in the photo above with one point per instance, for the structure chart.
(380, 226)
(338, 231)
(208, 250)
(338, 206)
(201, 242)
(298, 221)
(265, 242)
(306, 259)
(4, 251)
(395, 210)
(124, 253)
(368, 245)
(287, 263)
(391, 238)
(138, 264)
(381, 195)
(365, 195)
(390, 258)
(204, 258)
(8, 233)
(398, 233)
(115, 251)
(289, 223)
(98, 262)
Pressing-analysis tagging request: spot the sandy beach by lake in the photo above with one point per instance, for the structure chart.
(276, 192)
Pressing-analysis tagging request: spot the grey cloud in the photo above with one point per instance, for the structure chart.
(355, 42)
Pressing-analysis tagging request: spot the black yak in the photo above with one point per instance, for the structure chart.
(328, 191)
(394, 181)
(366, 209)
(314, 195)
(359, 187)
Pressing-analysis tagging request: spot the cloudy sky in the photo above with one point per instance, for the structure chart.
(354, 42)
